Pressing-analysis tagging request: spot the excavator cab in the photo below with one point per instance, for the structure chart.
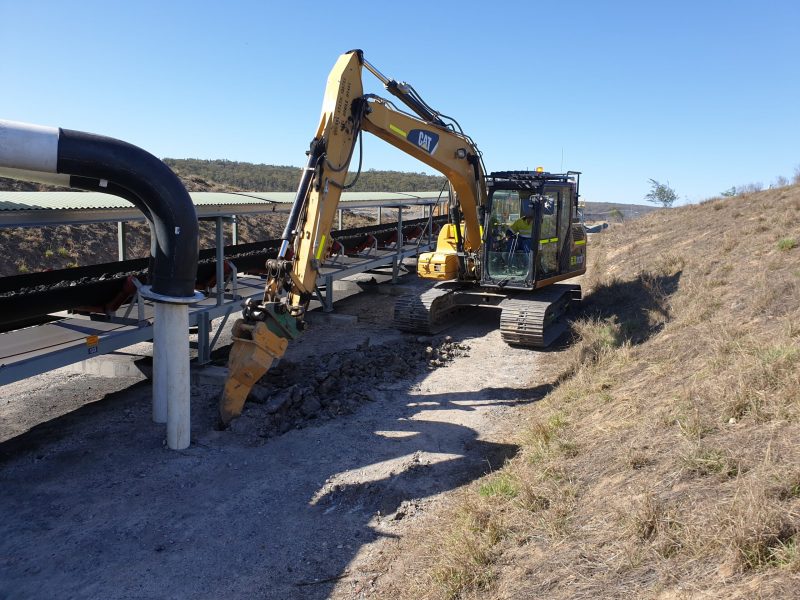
(530, 229)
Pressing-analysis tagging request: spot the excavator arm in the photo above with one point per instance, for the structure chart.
(266, 327)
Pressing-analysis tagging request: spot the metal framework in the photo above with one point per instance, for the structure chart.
(34, 350)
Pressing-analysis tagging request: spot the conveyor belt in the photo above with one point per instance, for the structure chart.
(26, 299)
(33, 350)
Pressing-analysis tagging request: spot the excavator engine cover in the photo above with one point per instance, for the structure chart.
(435, 265)
(443, 262)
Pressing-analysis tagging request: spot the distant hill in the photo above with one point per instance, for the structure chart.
(232, 176)
(243, 176)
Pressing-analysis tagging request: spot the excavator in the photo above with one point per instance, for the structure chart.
(511, 236)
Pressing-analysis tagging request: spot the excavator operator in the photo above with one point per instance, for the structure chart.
(519, 234)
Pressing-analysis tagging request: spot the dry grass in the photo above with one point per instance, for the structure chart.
(665, 462)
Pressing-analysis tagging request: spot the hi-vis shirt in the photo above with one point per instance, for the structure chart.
(522, 227)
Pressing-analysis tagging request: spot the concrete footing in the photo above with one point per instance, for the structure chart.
(115, 365)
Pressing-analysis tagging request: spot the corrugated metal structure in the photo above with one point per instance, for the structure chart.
(31, 209)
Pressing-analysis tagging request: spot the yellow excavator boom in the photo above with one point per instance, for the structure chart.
(266, 327)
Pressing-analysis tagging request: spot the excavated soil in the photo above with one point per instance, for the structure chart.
(357, 435)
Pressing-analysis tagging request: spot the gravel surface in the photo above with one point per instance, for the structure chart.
(356, 434)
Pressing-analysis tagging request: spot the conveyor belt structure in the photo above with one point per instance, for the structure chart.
(27, 350)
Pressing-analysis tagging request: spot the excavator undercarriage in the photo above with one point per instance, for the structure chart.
(529, 320)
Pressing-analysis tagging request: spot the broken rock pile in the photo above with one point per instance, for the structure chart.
(292, 394)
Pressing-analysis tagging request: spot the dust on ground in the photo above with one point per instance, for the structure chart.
(287, 504)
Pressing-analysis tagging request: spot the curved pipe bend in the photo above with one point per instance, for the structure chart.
(108, 165)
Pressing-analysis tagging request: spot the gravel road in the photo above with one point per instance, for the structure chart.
(287, 503)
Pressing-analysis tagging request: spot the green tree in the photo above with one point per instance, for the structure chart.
(661, 193)
(616, 214)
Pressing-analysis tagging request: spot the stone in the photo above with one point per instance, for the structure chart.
(326, 386)
(334, 363)
(279, 400)
(297, 394)
(311, 406)
(259, 394)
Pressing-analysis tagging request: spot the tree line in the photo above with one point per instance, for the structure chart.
(244, 176)
(228, 175)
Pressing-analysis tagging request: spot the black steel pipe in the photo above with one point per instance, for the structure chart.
(84, 155)
(103, 164)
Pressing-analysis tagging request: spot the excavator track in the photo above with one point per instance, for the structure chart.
(425, 313)
(536, 322)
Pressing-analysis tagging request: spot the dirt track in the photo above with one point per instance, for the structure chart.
(95, 506)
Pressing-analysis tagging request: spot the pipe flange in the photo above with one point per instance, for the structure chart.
(147, 292)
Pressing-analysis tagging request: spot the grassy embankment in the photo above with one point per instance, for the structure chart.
(666, 461)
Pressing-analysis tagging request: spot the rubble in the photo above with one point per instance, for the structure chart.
(293, 394)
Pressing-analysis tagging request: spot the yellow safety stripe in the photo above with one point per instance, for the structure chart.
(321, 248)
(553, 240)
(398, 131)
(580, 242)
(548, 241)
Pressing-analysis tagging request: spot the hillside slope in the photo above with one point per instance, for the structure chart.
(666, 461)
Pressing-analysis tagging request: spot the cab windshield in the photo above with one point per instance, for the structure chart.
(510, 228)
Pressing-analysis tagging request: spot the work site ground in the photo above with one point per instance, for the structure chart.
(360, 434)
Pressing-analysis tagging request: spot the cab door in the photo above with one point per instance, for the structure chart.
(548, 233)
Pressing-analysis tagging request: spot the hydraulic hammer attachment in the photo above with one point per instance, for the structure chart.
(254, 349)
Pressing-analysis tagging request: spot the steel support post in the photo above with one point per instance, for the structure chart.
(203, 334)
(122, 241)
(328, 301)
(398, 260)
(430, 224)
(220, 259)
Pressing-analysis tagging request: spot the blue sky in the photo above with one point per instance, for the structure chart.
(705, 95)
